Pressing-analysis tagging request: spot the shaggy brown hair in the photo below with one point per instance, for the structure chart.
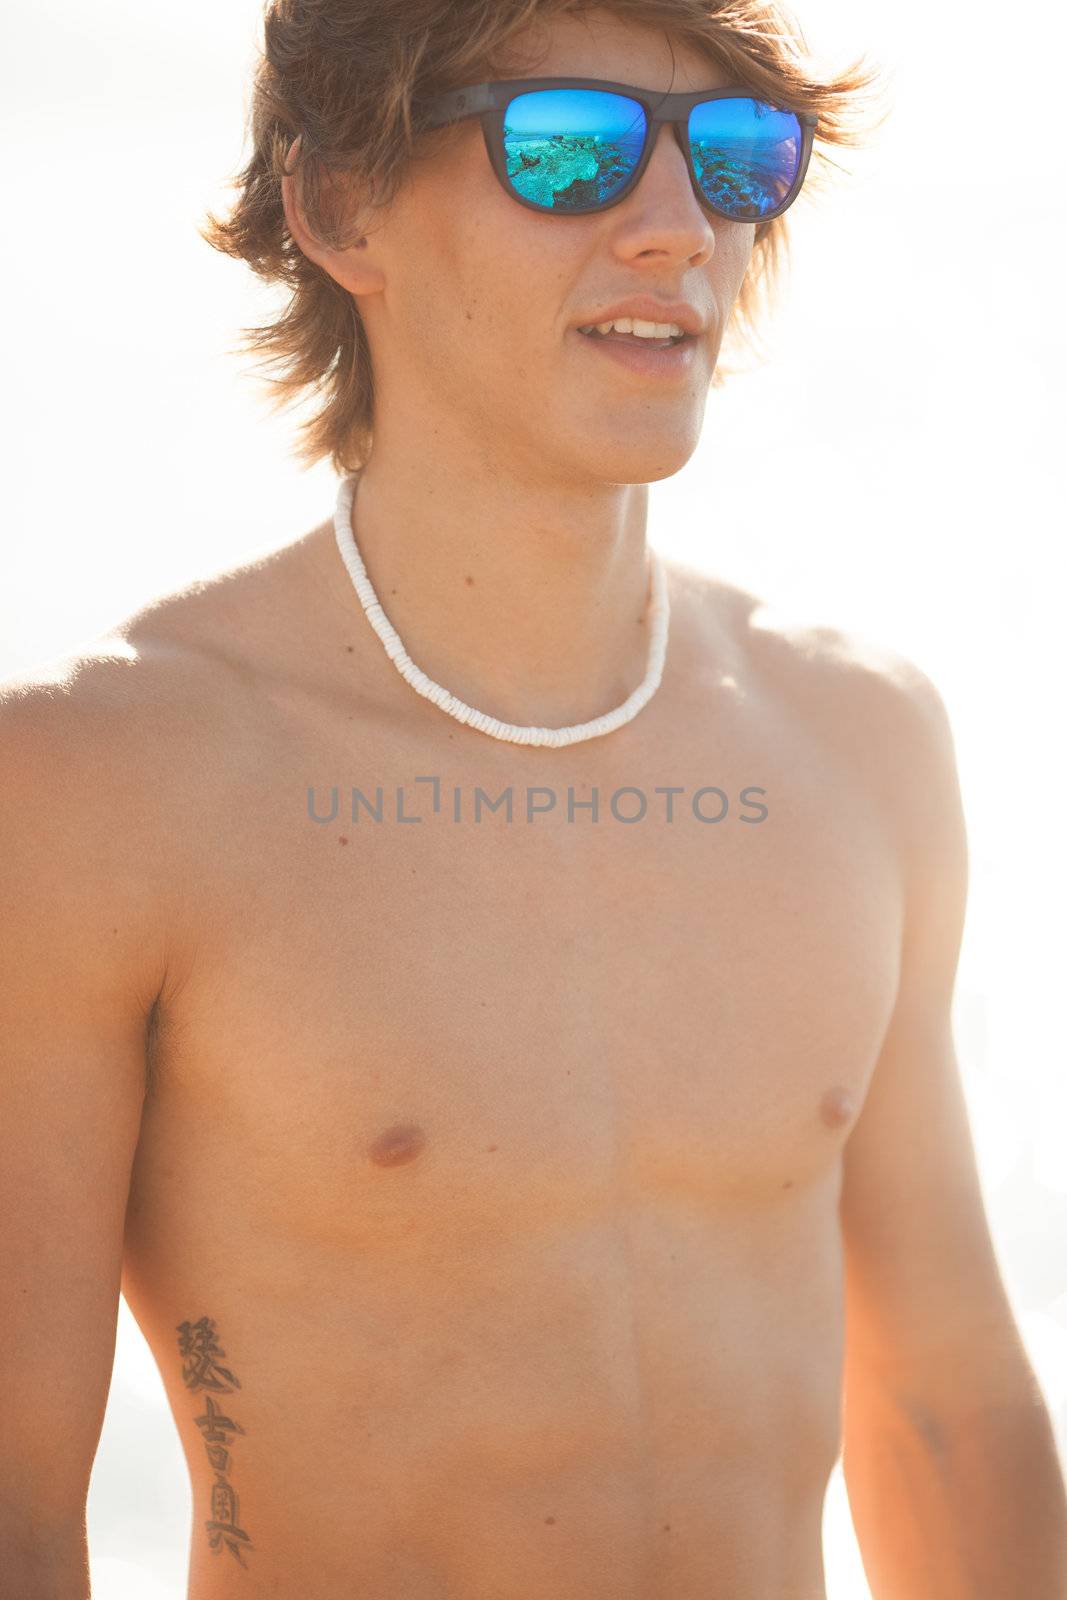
(345, 76)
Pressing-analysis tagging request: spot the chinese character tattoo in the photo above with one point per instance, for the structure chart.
(202, 1368)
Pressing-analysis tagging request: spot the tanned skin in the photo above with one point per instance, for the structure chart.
(492, 1191)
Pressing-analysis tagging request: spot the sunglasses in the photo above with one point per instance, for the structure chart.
(574, 145)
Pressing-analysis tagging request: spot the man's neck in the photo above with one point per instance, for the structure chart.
(527, 600)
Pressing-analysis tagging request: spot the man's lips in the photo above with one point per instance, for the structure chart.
(650, 357)
(636, 338)
(649, 308)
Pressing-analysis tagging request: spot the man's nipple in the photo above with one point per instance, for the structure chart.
(400, 1143)
(837, 1107)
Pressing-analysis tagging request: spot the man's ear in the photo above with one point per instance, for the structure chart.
(349, 267)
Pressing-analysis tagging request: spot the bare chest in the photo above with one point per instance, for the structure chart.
(507, 1014)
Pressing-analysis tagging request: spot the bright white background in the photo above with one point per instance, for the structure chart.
(890, 470)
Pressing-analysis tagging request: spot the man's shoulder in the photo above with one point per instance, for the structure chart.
(90, 813)
(239, 615)
(800, 645)
(113, 704)
(124, 723)
(116, 762)
(165, 671)
(99, 752)
(856, 670)
(869, 701)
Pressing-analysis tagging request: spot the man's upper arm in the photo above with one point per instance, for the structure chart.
(928, 1320)
(77, 965)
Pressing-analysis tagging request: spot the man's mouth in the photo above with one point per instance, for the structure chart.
(663, 357)
(635, 338)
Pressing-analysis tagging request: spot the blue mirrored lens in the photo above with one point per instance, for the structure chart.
(746, 154)
(571, 148)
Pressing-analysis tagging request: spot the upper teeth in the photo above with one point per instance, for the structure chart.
(644, 330)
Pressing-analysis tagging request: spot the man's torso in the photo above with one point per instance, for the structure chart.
(484, 1218)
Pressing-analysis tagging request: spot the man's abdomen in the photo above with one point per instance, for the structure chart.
(644, 1404)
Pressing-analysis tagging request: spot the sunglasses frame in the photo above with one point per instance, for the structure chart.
(490, 102)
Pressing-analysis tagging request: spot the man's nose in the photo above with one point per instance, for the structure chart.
(667, 162)
(668, 182)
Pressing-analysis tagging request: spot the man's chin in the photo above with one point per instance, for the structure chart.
(641, 458)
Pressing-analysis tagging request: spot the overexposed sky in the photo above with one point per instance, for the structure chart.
(891, 469)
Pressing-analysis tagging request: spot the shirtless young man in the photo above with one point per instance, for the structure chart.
(491, 1190)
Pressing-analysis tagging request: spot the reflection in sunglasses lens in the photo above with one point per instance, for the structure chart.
(746, 154)
(570, 148)
(575, 149)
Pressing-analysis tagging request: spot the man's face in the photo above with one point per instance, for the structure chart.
(473, 333)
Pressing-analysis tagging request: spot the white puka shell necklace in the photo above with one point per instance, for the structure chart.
(659, 622)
